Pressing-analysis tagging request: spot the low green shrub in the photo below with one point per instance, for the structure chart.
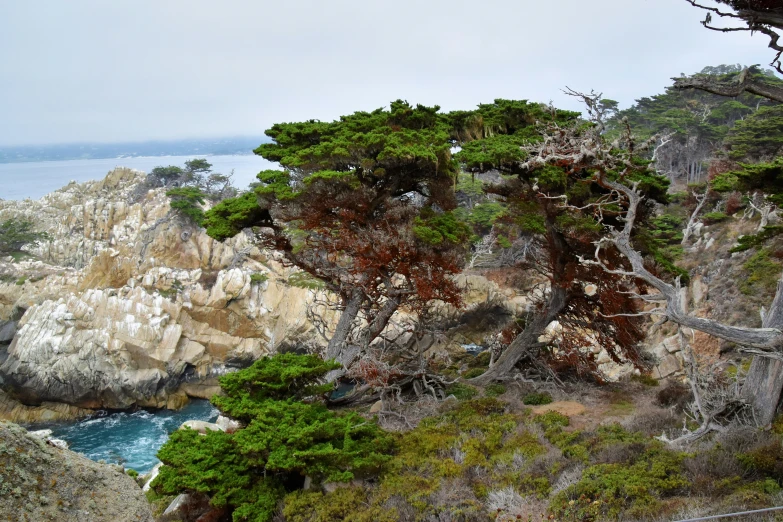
(473, 372)
(494, 390)
(462, 392)
(258, 278)
(537, 399)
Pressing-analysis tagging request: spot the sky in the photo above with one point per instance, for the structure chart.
(137, 70)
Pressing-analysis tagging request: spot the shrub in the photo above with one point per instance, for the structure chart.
(714, 217)
(633, 489)
(284, 440)
(763, 273)
(473, 372)
(494, 390)
(17, 233)
(537, 399)
(462, 392)
(258, 278)
(132, 473)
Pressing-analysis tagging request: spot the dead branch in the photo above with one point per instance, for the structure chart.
(694, 222)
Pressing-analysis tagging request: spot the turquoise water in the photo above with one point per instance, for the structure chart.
(36, 179)
(132, 439)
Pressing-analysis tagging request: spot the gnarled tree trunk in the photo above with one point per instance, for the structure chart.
(764, 383)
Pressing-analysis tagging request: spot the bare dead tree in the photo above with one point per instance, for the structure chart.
(758, 204)
(694, 220)
(717, 403)
(484, 248)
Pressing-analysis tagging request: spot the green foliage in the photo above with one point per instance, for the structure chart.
(305, 280)
(759, 135)
(132, 473)
(435, 228)
(469, 185)
(473, 372)
(633, 489)
(165, 176)
(710, 218)
(485, 214)
(646, 379)
(463, 392)
(282, 377)
(259, 278)
(757, 240)
(229, 217)
(766, 177)
(283, 440)
(537, 399)
(187, 202)
(17, 233)
(494, 390)
(763, 273)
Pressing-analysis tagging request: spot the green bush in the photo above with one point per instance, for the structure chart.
(284, 440)
(462, 392)
(495, 390)
(132, 473)
(258, 278)
(537, 399)
(763, 273)
(473, 372)
(714, 217)
(17, 233)
(633, 489)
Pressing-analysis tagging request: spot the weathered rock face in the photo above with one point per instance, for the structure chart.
(42, 482)
(14, 411)
(127, 305)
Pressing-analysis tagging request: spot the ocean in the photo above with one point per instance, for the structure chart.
(35, 179)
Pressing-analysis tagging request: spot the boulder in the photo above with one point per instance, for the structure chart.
(201, 426)
(227, 424)
(42, 482)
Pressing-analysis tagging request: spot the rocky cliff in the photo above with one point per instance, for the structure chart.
(41, 482)
(128, 305)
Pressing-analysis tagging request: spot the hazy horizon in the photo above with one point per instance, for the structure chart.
(89, 71)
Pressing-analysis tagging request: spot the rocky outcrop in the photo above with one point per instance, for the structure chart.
(14, 411)
(128, 305)
(42, 482)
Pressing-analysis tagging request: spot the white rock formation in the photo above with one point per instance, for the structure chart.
(129, 305)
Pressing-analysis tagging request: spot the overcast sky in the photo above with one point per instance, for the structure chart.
(133, 70)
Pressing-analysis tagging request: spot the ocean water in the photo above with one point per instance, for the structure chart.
(131, 439)
(35, 179)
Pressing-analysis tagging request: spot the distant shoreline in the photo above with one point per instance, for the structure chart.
(232, 146)
(5, 161)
